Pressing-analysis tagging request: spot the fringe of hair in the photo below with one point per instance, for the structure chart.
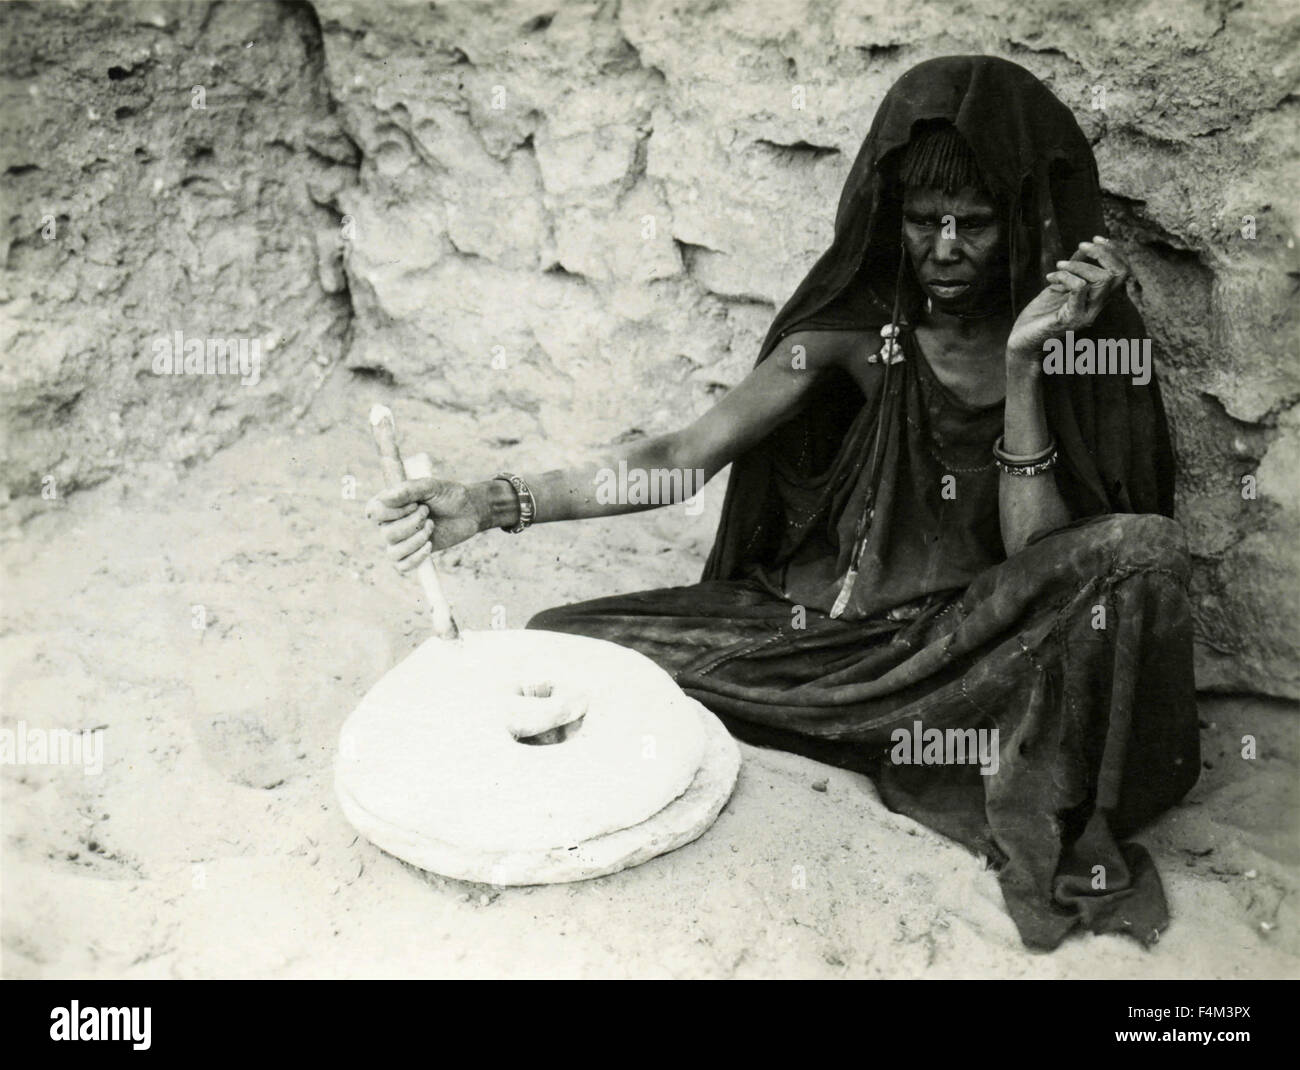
(939, 158)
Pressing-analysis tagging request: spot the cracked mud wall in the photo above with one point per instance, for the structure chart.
(131, 213)
(567, 223)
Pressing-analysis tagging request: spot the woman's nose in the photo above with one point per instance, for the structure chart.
(945, 250)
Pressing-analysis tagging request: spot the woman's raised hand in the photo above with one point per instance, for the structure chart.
(419, 516)
(1075, 294)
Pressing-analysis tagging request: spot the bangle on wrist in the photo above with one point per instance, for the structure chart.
(527, 503)
(1025, 464)
(1000, 451)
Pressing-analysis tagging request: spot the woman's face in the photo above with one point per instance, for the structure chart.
(955, 244)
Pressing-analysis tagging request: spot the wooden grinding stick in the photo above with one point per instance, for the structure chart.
(384, 430)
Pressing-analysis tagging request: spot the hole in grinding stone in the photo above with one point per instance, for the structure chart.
(559, 733)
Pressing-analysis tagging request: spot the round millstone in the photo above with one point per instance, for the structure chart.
(531, 757)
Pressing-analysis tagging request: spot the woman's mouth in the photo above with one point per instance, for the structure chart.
(948, 288)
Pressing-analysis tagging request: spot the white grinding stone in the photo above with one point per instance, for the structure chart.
(681, 821)
(430, 750)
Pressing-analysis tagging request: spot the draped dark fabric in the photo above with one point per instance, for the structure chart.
(1113, 437)
(1097, 728)
(1074, 654)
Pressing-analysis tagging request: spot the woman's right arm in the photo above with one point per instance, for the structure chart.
(423, 515)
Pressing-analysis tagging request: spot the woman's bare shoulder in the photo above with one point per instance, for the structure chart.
(850, 351)
(824, 348)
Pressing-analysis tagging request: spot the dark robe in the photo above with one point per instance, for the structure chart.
(1077, 649)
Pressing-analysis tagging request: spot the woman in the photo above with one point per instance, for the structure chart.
(922, 529)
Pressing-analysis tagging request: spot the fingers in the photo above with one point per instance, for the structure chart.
(380, 513)
(406, 517)
(398, 530)
(1103, 251)
(1076, 290)
(413, 561)
(1091, 273)
(402, 500)
(1067, 281)
(1088, 285)
(412, 491)
(400, 551)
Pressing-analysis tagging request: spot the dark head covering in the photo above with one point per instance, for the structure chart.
(1113, 437)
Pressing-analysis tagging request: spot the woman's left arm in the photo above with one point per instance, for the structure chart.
(1027, 505)
(1030, 505)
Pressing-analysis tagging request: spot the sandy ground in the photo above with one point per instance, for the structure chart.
(211, 844)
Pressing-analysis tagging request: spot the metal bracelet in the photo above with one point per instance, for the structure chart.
(527, 503)
(1022, 459)
(1016, 468)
